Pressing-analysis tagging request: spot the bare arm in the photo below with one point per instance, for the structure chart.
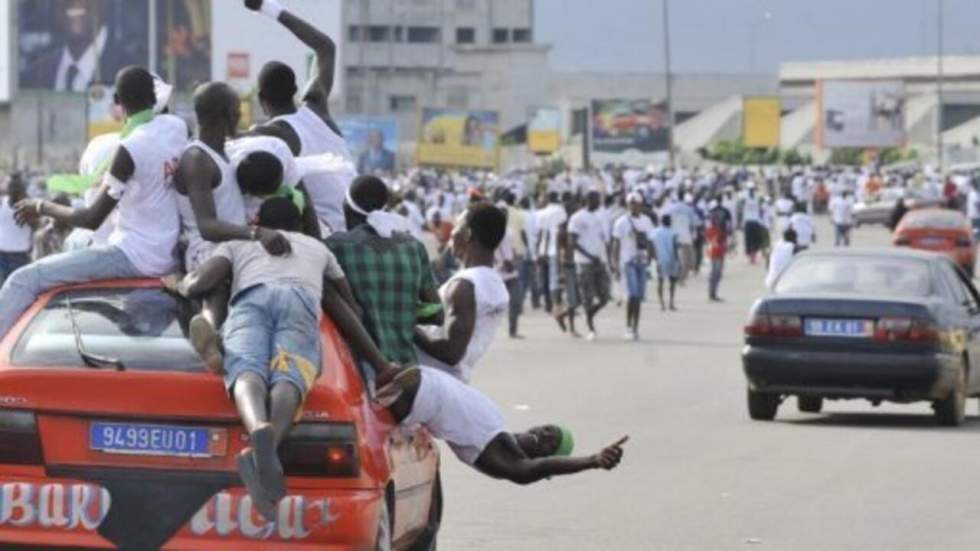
(340, 312)
(342, 286)
(311, 223)
(208, 276)
(461, 319)
(92, 217)
(501, 461)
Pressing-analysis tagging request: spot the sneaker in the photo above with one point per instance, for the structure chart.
(204, 339)
(591, 336)
(629, 336)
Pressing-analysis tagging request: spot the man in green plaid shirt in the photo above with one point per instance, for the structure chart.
(387, 268)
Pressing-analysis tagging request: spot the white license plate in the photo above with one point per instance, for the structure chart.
(821, 327)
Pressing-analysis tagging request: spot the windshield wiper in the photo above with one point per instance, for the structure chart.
(91, 360)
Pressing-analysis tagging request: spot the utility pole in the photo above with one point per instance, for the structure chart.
(939, 84)
(667, 77)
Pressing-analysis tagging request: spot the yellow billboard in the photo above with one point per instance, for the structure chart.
(458, 138)
(544, 130)
(761, 121)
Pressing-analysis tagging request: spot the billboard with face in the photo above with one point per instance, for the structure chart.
(459, 138)
(184, 42)
(861, 113)
(67, 45)
(373, 141)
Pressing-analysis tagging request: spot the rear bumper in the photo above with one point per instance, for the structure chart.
(900, 377)
(40, 513)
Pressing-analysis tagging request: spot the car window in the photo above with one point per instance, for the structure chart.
(144, 329)
(960, 296)
(857, 275)
(968, 289)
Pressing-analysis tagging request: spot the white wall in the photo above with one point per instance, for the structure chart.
(6, 47)
(237, 29)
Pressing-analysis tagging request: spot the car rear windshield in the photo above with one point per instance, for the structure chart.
(868, 276)
(937, 220)
(143, 329)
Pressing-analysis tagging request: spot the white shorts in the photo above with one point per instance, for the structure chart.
(455, 413)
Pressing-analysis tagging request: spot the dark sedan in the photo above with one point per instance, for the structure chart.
(882, 325)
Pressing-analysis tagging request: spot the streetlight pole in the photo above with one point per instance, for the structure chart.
(669, 83)
(939, 84)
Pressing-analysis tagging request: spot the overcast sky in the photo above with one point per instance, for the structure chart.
(747, 35)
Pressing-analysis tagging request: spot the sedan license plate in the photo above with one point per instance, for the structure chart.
(158, 440)
(932, 241)
(816, 327)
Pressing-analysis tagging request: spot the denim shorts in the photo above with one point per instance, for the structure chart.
(636, 276)
(274, 332)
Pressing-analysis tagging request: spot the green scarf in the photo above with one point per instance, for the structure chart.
(291, 193)
(77, 184)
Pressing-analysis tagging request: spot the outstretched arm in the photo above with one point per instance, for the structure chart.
(321, 44)
(113, 188)
(501, 460)
(461, 318)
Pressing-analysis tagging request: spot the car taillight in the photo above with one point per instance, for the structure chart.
(20, 443)
(906, 330)
(774, 325)
(902, 241)
(964, 242)
(321, 450)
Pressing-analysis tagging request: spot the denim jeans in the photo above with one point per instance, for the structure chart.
(842, 235)
(636, 275)
(529, 282)
(714, 279)
(11, 262)
(93, 264)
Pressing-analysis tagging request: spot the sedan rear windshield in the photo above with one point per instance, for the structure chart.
(142, 329)
(857, 275)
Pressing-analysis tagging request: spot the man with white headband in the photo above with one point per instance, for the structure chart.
(139, 181)
(309, 129)
(388, 270)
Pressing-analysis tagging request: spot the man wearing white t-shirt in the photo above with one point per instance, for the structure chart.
(802, 224)
(589, 239)
(140, 182)
(310, 129)
(973, 208)
(15, 238)
(551, 220)
(683, 218)
(842, 215)
(632, 239)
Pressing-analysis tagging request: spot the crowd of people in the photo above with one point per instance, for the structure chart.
(267, 231)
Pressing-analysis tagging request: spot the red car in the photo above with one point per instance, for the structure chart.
(112, 435)
(940, 230)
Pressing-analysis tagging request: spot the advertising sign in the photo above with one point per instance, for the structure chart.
(458, 138)
(184, 42)
(373, 141)
(761, 122)
(67, 45)
(104, 116)
(544, 130)
(861, 113)
(622, 126)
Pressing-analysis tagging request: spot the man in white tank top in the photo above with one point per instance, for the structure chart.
(140, 182)
(453, 411)
(309, 129)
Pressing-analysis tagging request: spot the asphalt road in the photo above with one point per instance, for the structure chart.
(698, 474)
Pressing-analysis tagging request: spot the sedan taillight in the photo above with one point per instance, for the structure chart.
(964, 242)
(321, 450)
(20, 442)
(902, 241)
(916, 330)
(774, 325)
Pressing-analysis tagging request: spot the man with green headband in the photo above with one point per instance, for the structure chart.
(476, 303)
(140, 182)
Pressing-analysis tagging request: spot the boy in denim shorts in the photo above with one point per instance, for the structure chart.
(272, 337)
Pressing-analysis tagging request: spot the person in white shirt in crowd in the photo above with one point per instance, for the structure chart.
(782, 255)
(530, 281)
(752, 227)
(309, 129)
(506, 262)
(683, 220)
(973, 207)
(784, 208)
(590, 241)
(15, 238)
(842, 215)
(139, 181)
(552, 219)
(632, 252)
(802, 224)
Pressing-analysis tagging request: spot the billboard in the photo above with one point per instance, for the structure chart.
(860, 113)
(103, 115)
(183, 48)
(628, 130)
(761, 122)
(5, 59)
(544, 130)
(67, 45)
(373, 141)
(268, 40)
(458, 138)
